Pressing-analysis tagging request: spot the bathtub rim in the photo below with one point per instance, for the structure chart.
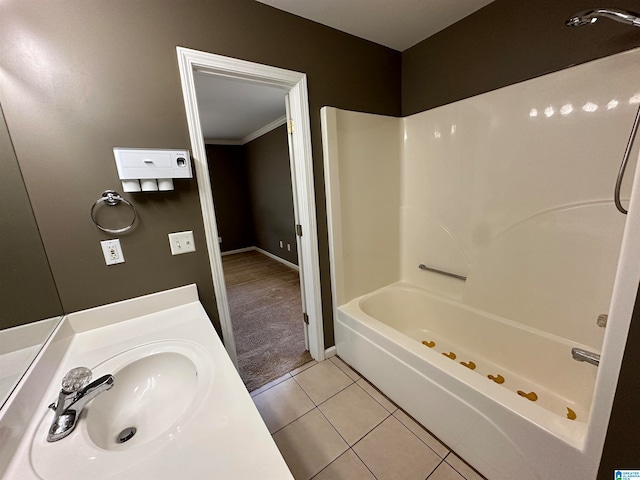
(403, 285)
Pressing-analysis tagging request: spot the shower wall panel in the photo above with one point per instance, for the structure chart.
(514, 189)
(365, 188)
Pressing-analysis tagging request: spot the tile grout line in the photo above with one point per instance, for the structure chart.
(252, 395)
(333, 395)
(451, 452)
(425, 443)
(367, 466)
(390, 413)
(336, 428)
(437, 466)
(298, 418)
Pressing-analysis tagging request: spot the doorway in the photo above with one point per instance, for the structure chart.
(293, 84)
(250, 177)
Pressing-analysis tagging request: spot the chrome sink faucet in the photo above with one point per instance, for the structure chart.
(75, 394)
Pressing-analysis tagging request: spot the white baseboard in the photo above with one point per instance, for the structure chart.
(278, 259)
(264, 252)
(330, 352)
(239, 250)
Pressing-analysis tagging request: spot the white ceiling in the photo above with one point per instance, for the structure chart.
(398, 24)
(233, 110)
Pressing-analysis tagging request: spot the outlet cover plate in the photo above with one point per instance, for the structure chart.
(112, 251)
(181, 242)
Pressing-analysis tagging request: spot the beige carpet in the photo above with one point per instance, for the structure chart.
(266, 314)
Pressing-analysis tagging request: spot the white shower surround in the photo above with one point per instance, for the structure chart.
(513, 189)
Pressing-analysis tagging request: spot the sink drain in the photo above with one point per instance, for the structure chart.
(126, 434)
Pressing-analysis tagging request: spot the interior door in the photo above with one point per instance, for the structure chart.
(292, 164)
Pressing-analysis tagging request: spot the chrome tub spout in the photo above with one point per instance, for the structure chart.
(585, 356)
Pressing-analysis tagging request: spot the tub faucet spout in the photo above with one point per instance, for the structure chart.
(75, 394)
(585, 356)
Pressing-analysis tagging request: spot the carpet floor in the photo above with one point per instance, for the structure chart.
(266, 315)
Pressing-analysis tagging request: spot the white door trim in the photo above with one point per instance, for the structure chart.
(296, 84)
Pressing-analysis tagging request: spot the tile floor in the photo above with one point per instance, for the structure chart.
(331, 424)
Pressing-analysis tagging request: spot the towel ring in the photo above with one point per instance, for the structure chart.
(112, 198)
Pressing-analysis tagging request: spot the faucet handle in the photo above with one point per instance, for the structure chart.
(76, 379)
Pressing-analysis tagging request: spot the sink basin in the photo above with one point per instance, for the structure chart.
(158, 391)
(148, 397)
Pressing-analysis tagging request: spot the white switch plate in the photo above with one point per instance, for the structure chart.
(181, 242)
(112, 251)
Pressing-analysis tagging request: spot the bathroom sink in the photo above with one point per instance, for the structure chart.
(148, 397)
(157, 395)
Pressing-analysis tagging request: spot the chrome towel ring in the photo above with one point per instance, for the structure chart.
(112, 198)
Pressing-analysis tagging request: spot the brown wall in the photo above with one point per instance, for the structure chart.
(271, 193)
(231, 198)
(79, 77)
(27, 290)
(506, 42)
(253, 196)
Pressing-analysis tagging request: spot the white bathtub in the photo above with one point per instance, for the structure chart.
(500, 433)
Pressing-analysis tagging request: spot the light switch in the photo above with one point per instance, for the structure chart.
(181, 242)
(112, 251)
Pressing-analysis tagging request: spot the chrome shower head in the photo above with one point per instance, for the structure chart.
(587, 17)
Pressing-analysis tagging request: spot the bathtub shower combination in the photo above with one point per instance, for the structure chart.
(481, 270)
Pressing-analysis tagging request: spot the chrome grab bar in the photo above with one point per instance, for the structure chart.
(585, 356)
(422, 266)
(623, 165)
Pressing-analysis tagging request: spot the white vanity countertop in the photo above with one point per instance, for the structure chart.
(222, 435)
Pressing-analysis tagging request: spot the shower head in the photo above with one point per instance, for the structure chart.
(587, 17)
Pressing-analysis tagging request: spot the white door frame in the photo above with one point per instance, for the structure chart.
(296, 85)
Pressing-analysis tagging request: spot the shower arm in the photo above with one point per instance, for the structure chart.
(619, 15)
(587, 17)
(623, 165)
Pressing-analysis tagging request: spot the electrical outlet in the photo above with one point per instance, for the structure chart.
(112, 251)
(181, 242)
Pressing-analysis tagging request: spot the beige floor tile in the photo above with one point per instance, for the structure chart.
(353, 413)
(303, 368)
(347, 467)
(431, 441)
(465, 470)
(377, 395)
(309, 444)
(351, 373)
(273, 383)
(392, 452)
(445, 472)
(282, 404)
(322, 381)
